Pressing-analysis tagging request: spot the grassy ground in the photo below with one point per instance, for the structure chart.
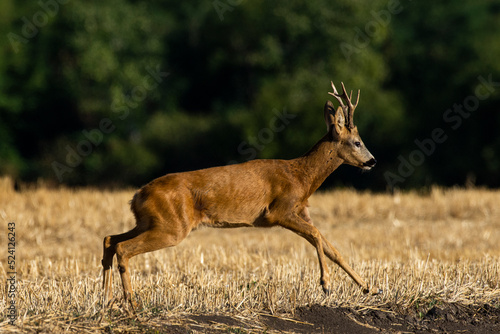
(421, 249)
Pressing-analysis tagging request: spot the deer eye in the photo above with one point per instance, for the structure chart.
(357, 144)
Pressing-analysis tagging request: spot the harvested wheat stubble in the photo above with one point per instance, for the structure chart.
(426, 251)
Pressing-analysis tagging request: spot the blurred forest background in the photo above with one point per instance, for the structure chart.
(115, 93)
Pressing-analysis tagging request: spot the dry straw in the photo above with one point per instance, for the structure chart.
(441, 246)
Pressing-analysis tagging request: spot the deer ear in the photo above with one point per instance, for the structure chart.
(329, 115)
(339, 120)
(335, 120)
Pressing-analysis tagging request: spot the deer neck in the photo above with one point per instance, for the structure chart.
(317, 164)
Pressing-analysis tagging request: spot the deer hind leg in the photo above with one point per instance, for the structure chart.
(109, 250)
(334, 255)
(147, 241)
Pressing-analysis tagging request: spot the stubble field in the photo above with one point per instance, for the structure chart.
(435, 255)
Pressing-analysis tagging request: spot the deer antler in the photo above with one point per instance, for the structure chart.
(349, 109)
(336, 95)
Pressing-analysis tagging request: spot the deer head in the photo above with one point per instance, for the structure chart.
(343, 131)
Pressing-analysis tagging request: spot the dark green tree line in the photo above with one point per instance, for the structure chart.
(119, 92)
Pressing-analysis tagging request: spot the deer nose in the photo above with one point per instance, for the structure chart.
(370, 163)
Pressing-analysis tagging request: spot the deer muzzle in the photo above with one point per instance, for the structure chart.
(370, 163)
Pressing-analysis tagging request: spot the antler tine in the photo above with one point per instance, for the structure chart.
(357, 99)
(344, 94)
(336, 95)
(351, 108)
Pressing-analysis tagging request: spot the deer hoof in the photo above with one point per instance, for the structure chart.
(374, 291)
(131, 305)
(326, 291)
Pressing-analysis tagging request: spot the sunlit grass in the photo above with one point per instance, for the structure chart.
(440, 246)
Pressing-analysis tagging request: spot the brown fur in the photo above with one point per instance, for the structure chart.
(260, 193)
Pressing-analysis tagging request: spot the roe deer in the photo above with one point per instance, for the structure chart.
(260, 193)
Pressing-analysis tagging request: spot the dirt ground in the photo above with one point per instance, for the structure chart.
(442, 318)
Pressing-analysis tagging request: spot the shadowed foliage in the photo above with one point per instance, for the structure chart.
(119, 92)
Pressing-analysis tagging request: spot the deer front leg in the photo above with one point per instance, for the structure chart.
(334, 255)
(310, 233)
